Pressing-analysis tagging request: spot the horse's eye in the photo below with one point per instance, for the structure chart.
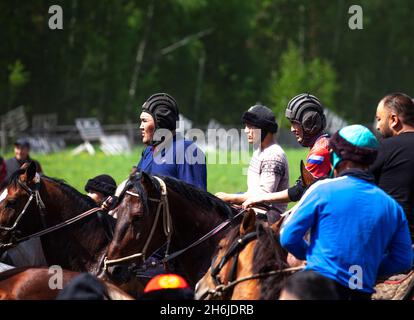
(136, 216)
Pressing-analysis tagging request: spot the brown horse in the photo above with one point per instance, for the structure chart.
(27, 283)
(249, 264)
(34, 203)
(164, 216)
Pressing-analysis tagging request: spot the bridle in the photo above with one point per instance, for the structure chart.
(167, 225)
(168, 231)
(232, 252)
(34, 194)
(224, 290)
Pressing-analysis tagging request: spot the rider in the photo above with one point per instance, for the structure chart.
(100, 187)
(268, 170)
(357, 231)
(167, 153)
(305, 113)
(21, 156)
(394, 167)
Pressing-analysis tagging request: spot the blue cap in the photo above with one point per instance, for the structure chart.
(357, 135)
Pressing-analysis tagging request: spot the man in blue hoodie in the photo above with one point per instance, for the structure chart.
(356, 231)
(167, 153)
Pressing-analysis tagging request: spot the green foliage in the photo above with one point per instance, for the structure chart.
(88, 66)
(296, 76)
(18, 77)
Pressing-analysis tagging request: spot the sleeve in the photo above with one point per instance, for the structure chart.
(296, 192)
(376, 167)
(318, 162)
(399, 256)
(299, 222)
(272, 172)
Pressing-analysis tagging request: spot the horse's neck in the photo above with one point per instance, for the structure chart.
(190, 224)
(60, 205)
(71, 243)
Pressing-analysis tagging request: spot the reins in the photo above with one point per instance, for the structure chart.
(168, 230)
(35, 194)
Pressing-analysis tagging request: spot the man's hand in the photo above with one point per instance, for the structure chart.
(252, 200)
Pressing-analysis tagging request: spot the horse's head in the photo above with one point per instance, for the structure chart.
(251, 249)
(136, 221)
(17, 202)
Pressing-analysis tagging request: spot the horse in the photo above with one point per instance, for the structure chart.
(160, 217)
(249, 263)
(26, 283)
(33, 203)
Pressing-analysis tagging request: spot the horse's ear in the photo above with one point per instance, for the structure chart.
(146, 180)
(30, 171)
(277, 225)
(249, 222)
(305, 175)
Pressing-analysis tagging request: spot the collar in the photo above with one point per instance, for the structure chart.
(359, 173)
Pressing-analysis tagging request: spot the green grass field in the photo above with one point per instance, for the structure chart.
(76, 170)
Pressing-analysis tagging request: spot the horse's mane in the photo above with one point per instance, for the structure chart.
(268, 255)
(84, 201)
(201, 198)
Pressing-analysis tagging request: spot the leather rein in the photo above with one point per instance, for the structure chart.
(34, 194)
(168, 231)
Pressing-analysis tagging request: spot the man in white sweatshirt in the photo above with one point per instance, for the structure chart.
(268, 170)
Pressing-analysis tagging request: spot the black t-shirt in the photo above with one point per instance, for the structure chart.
(394, 171)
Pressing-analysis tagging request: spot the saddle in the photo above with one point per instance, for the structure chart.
(396, 287)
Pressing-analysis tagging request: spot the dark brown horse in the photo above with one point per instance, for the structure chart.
(34, 284)
(34, 203)
(249, 264)
(164, 216)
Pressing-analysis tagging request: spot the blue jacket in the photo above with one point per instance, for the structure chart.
(352, 223)
(181, 159)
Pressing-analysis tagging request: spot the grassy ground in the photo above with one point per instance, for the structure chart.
(76, 170)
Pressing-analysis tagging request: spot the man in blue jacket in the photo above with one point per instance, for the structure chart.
(356, 231)
(167, 153)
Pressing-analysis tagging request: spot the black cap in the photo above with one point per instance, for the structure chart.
(103, 184)
(22, 142)
(164, 109)
(261, 117)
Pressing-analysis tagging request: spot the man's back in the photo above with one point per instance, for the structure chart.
(394, 171)
(353, 223)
